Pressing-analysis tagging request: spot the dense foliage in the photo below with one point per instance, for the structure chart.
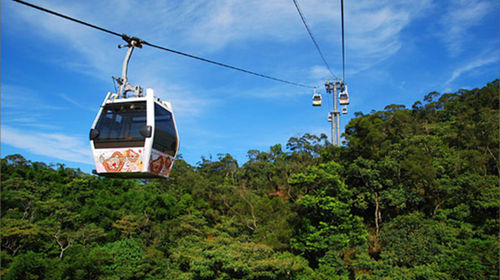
(413, 194)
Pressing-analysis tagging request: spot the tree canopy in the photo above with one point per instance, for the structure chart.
(413, 194)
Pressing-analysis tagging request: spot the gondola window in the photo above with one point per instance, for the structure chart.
(120, 126)
(165, 139)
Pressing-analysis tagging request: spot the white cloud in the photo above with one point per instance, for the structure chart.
(25, 107)
(372, 35)
(84, 47)
(185, 102)
(76, 103)
(373, 29)
(210, 26)
(474, 64)
(276, 93)
(90, 52)
(459, 20)
(31, 121)
(220, 23)
(320, 72)
(20, 98)
(54, 145)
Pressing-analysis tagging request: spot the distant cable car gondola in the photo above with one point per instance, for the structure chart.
(344, 96)
(134, 136)
(344, 110)
(316, 98)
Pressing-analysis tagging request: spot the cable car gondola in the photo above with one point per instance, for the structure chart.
(344, 96)
(316, 98)
(134, 136)
(344, 110)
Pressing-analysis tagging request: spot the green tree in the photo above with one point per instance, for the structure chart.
(326, 233)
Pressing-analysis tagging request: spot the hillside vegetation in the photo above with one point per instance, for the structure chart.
(413, 194)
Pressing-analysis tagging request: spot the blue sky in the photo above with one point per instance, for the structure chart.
(55, 73)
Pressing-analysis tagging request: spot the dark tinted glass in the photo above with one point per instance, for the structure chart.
(165, 137)
(120, 125)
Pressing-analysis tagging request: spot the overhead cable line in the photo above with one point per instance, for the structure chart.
(128, 38)
(343, 52)
(227, 66)
(312, 38)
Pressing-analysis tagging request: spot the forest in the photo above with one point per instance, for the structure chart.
(413, 193)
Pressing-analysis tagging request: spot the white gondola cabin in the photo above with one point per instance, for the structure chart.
(344, 110)
(316, 99)
(344, 97)
(133, 136)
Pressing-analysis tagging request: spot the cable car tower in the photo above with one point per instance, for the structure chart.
(334, 116)
(338, 86)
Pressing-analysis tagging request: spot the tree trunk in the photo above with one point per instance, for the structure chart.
(69, 243)
(378, 218)
(378, 215)
(252, 211)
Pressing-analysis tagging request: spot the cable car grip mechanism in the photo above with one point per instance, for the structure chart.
(124, 86)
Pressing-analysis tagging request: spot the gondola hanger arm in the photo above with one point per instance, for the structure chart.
(123, 80)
